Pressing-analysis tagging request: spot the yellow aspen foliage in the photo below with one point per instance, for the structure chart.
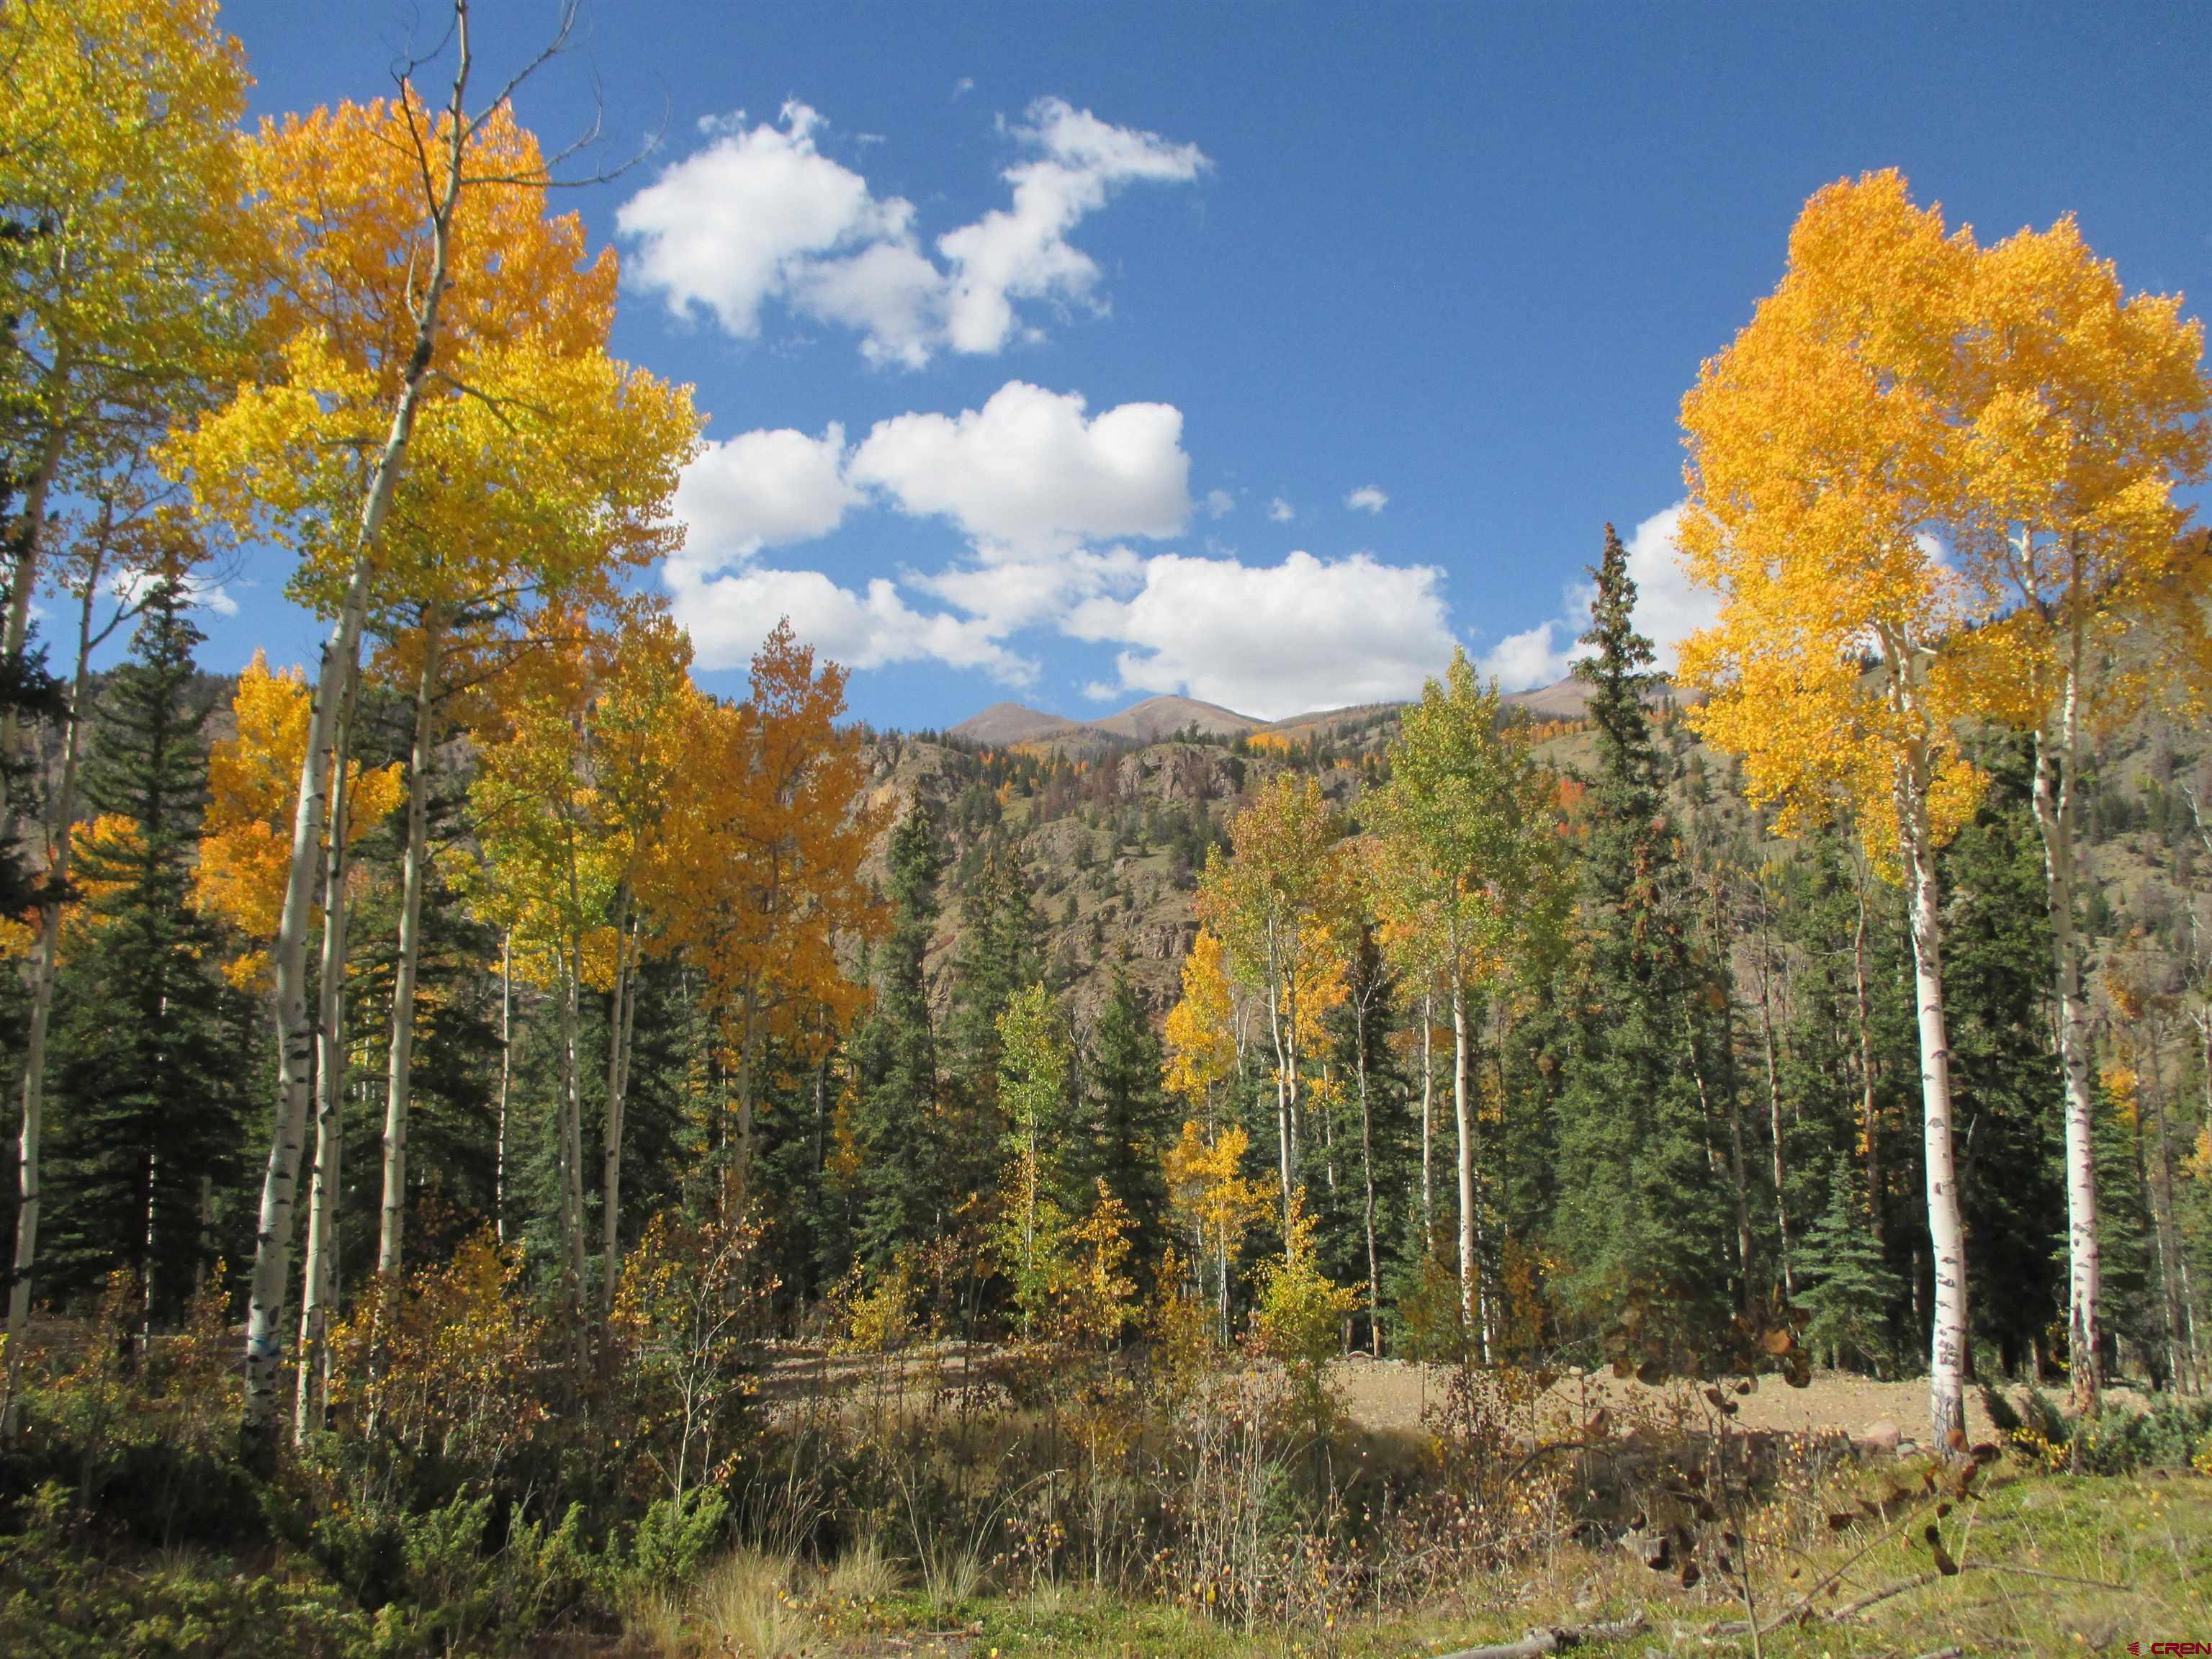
(1097, 1299)
(758, 878)
(1817, 484)
(1200, 1031)
(108, 841)
(1299, 1318)
(538, 463)
(2083, 411)
(2121, 1083)
(118, 142)
(247, 834)
(1208, 1191)
(1277, 904)
(445, 1366)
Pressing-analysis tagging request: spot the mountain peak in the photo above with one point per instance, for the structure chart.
(1011, 722)
(1157, 717)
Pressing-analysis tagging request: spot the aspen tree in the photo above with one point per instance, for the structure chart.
(2083, 409)
(1270, 902)
(1816, 479)
(522, 515)
(129, 298)
(407, 242)
(756, 875)
(1463, 846)
(118, 144)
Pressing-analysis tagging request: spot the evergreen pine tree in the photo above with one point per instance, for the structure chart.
(1638, 1214)
(1130, 1116)
(2132, 1326)
(2007, 1091)
(153, 1062)
(1846, 1283)
(999, 955)
(901, 1124)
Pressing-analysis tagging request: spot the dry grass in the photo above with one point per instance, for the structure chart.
(863, 1575)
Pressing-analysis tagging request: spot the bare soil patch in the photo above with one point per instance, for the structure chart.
(1391, 1395)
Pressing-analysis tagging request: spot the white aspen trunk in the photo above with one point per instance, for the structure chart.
(748, 1070)
(319, 1275)
(1291, 1066)
(1738, 1180)
(1460, 1107)
(2054, 818)
(38, 489)
(1367, 1177)
(264, 1312)
(1328, 1136)
(390, 1238)
(1282, 1092)
(506, 1072)
(1428, 1120)
(146, 1260)
(30, 542)
(46, 969)
(1947, 1357)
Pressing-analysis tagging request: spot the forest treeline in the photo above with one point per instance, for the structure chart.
(485, 1005)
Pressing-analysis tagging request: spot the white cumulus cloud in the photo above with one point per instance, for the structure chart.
(1041, 488)
(1031, 475)
(1280, 510)
(1670, 608)
(766, 488)
(1367, 498)
(727, 617)
(1535, 656)
(760, 214)
(1276, 640)
(1022, 252)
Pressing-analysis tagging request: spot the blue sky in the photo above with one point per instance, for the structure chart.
(1074, 353)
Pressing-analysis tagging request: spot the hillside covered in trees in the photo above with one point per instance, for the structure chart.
(466, 1082)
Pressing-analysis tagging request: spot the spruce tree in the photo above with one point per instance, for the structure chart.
(153, 1061)
(1848, 1286)
(1638, 1214)
(901, 1124)
(999, 955)
(2008, 1089)
(1130, 1113)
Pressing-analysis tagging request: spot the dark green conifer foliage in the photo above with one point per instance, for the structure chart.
(151, 1052)
(1129, 1114)
(2134, 1329)
(901, 1124)
(1844, 1281)
(1638, 1209)
(2004, 1071)
(1000, 953)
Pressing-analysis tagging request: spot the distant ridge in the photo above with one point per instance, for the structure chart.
(1140, 722)
(1011, 722)
(1156, 718)
(1159, 717)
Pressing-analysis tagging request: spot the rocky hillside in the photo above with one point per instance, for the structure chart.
(1113, 830)
(1112, 817)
